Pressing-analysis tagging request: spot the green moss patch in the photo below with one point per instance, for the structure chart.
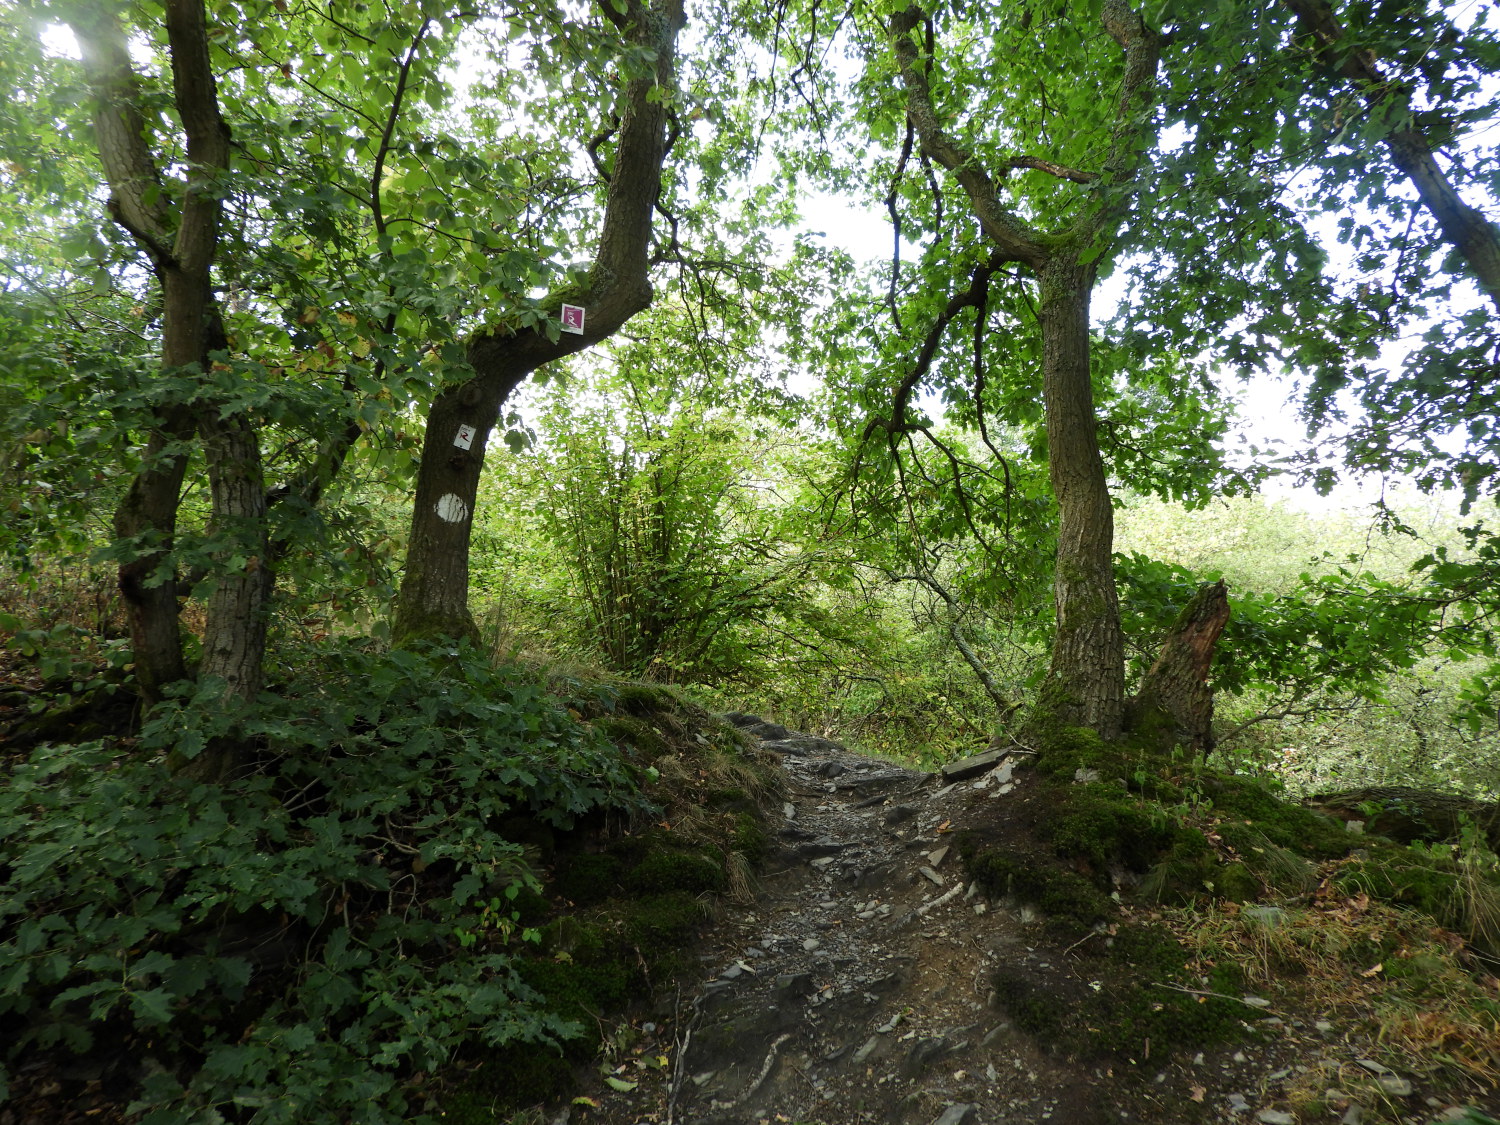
(505, 1080)
(1061, 893)
(635, 733)
(590, 877)
(670, 870)
(1285, 824)
(1134, 1009)
(1103, 825)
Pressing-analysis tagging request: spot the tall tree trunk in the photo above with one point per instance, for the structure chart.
(180, 237)
(1086, 680)
(434, 597)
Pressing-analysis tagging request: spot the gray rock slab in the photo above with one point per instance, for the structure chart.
(783, 746)
(972, 767)
(767, 731)
(871, 1045)
(823, 845)
(794, 984)
(924, 1052)
(960, 1114)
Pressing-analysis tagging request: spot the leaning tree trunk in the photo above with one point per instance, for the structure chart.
(1175, 705)
(434, 597)
(1464, 228)
(1086, 680)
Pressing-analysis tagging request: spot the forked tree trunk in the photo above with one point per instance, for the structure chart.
(1086, 679)
(1175, 705)
(180, 237)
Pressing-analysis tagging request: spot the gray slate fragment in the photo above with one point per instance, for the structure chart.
(871, 1045)
(972, 767)
(898, 813)
(780, 746)
(1275, 1117)
(794, 984)
(931, 876)
(959, 1114)
(924, 1052)
(823, 845)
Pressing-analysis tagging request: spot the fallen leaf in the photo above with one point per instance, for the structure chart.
(1196, 1093)
(620, 1084)
(1374, 970)
(590, 1102)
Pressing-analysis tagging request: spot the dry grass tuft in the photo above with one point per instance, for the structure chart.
(1393, 969)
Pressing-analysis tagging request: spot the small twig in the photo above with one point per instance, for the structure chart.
(1200, 992)
(759, 1079)
(682, 1047)
(1084, 938)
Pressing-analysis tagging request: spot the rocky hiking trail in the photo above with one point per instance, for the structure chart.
(856, 988)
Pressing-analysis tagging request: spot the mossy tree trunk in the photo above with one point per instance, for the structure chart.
(1086, 677)
(434, 596)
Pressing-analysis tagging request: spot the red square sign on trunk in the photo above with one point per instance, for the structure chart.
(572, 319)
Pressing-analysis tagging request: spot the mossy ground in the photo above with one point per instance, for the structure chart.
(1112, 833)
(621, 902)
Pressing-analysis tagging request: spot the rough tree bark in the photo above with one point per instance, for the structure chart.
(1086, 677)
(179, 237)
(1174, 705)
(434, 596)
(1465, 228)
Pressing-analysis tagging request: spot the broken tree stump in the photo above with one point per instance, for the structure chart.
(1175, 704)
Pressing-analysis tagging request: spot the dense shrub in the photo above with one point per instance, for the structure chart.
(293, 944)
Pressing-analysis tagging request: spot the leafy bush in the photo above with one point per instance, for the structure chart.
(291, 946)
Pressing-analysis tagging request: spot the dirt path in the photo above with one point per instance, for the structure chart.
(856, 988)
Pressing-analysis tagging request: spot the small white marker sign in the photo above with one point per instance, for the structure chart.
(572, 319)
(464, 438)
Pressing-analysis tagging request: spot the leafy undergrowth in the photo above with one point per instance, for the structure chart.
(434, 869)
(1185, 890)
